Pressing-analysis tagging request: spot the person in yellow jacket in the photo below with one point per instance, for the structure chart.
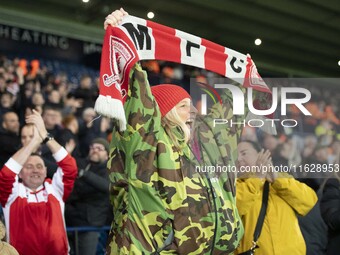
(288, 197)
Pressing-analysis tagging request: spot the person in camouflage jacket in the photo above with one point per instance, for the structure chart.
(162, 204)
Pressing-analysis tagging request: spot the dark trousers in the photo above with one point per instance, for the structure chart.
(86, 244)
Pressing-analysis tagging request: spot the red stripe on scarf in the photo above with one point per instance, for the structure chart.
(165, 36)
(215, 58)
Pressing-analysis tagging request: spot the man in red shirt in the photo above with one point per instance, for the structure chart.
(33, 205)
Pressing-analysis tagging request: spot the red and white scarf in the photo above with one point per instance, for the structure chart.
(138, 39)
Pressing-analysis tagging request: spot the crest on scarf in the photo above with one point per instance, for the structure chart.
(121, 55)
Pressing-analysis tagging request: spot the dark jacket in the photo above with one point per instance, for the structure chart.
(9, 144)
(88, 204)
(330, 210)
(312, 225)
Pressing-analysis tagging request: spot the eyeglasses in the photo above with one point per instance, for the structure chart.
(98, 148)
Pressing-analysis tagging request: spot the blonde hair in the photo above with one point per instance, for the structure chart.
(171, 121)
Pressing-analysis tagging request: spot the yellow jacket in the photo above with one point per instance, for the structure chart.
(280, 233)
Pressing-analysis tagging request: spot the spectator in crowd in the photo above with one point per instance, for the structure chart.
(2, 82)
(287, 153)
(330, 209)
(86, 91)
(168, 159)
(310, 122)
(88, 115)
(26, 135)
(318, 157)
(310, 142)
(12, 86)
(69, 135)
(52, 119)
(161, 205)
(280, 232)
(312, 225)
(72, 105)
(33, 206)
(38, 101)
(9, 136)
(54, 99)
(326, 140)
(24, 100)
(270, 142)
(330, 113)
(90, 127)
(88, 204)
(6, 103)
(324, 128)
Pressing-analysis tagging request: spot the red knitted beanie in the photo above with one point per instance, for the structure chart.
(168, 96)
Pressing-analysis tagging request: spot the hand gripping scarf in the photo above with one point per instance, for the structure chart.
(138, 39)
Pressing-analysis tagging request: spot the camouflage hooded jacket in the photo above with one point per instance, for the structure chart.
(161, 203)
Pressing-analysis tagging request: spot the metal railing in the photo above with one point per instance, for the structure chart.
(102, 238)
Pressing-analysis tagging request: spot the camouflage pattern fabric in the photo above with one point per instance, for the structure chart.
(161, 205)
(218, 148)
(5, 248)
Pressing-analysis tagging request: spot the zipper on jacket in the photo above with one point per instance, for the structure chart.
(215, 211)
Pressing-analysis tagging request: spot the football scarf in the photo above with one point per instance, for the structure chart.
(137, 39)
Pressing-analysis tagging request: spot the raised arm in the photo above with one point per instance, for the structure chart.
(63, 179)
(36, 119)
